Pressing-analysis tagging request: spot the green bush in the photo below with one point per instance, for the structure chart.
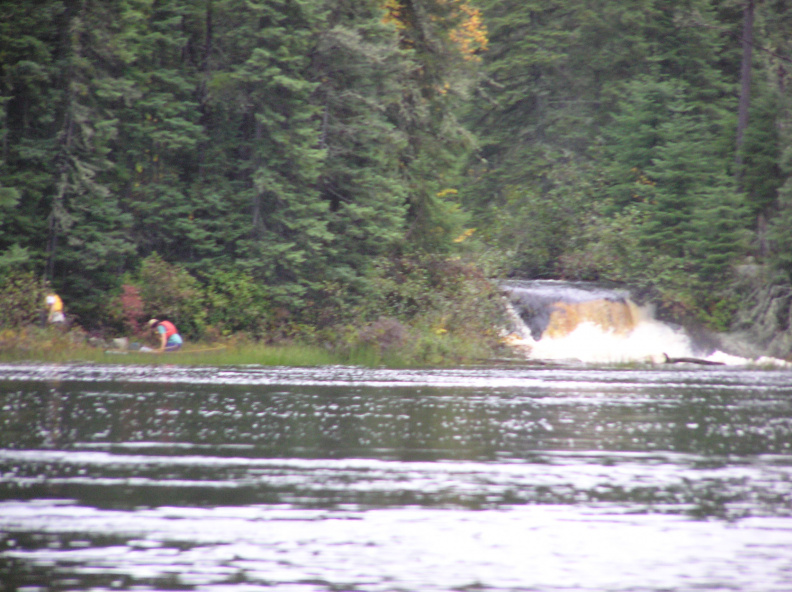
(235, 302)
(22, 296)
(431, 308)
(168, 290)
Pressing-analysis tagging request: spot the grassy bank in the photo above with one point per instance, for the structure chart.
(65, 349)
(50, 345)
(253, 355)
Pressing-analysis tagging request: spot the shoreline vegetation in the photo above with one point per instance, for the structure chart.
(425, 310)
(62, 348)
(349, 178)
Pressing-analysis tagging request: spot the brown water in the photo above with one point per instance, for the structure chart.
(494, 479)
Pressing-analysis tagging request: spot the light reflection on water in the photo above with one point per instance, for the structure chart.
(351, 479)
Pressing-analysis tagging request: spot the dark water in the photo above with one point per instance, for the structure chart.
(343, 479)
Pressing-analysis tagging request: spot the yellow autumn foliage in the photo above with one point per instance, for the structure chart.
(468, 31)
(471, 34)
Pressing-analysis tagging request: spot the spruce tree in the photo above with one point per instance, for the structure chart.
(359, 66)
(89, 233)
(260, 92)
(159, 128)
(31, 91)
(666, 161)
(444, 40)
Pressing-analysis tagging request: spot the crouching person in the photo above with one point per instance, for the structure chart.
(169, 337)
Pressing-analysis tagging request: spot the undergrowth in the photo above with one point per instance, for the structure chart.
(52, 345)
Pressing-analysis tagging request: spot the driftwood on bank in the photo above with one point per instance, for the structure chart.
(700, 361)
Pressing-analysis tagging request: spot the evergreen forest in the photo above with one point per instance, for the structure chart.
(349, 171)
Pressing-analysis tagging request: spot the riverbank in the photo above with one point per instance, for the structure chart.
(55, 345)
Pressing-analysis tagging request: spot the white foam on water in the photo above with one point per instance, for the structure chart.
(583, 322)
(649, 342)
(589, 342)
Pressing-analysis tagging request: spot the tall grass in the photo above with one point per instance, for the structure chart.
(250, 354)
(288, 355)
(246, 355)
(422, 349)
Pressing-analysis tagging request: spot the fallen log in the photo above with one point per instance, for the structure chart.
(699, 361)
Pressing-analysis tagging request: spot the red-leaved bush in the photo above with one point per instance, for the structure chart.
(132, 309)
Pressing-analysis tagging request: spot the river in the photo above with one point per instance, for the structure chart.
(500, 478)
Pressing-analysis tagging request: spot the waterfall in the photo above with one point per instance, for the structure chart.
(555, 320)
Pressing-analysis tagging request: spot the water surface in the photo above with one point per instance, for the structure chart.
(340, 478)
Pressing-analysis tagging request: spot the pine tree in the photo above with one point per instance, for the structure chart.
(779, 230)
(760, 177)
(760, 142)
(89, 233)
(58, 131)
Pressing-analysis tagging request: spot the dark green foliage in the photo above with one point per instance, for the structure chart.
(290, 166)
(236, 303)
(22, 295)
(159, 135)
(31, 95)
(168, 291)
(781, 227)
(13, 255)
(266, 92)
(449, 304)
(360, 67)
(760, 176)
(639, 100)
(450, 294)
(536, 226)
(686, 221)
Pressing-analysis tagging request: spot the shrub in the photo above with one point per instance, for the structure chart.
(169, 290)
(446, 293)
(22, 296)
(236, 303)
(132, 310)
(385, 334)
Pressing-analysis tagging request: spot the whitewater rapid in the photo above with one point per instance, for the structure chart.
(553, 321)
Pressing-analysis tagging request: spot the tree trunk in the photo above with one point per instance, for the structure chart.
(208, 38)
(745, 83)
